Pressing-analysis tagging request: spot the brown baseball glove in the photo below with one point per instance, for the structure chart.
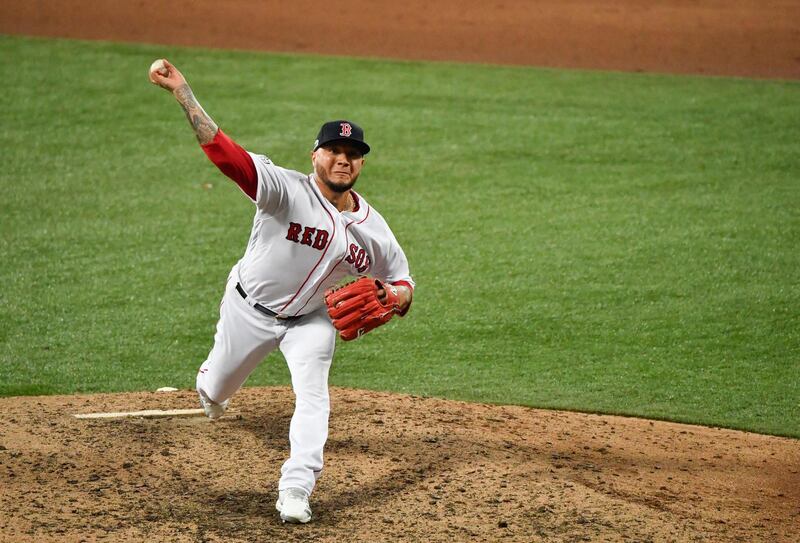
(356, 308)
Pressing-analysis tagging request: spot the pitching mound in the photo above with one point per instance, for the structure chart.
(399, 468)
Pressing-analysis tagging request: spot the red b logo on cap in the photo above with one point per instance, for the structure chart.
(346, 130)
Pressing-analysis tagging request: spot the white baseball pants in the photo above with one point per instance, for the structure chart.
(243, 339)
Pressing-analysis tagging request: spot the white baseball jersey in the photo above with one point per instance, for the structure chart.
(302, 245)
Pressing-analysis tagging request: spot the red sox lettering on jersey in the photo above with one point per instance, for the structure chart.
(303, 235)
(295, 223)
(317, 238)
(358, 257)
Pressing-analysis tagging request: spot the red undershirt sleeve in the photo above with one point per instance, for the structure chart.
(233, 161)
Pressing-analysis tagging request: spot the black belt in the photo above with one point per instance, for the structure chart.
(266, 311)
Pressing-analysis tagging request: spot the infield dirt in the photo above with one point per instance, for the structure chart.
(715, 37)
(398, 468)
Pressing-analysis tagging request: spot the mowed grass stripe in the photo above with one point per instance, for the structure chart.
(623, 243)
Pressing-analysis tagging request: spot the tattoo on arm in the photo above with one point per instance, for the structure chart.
(204, 127)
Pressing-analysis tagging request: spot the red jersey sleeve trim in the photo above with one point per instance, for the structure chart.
(404, 284)
(233, 161)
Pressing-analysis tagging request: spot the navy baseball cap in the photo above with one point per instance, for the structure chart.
(341, 131)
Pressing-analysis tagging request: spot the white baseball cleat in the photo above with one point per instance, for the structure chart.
(293, 506)
(213, 410)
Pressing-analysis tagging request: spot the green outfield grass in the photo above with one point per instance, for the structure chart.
(619, 243)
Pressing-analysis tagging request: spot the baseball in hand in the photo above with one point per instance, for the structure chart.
(159, 67)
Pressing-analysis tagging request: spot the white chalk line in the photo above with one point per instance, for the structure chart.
(148, 413)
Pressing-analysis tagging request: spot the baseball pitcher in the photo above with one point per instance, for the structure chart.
(310, 232)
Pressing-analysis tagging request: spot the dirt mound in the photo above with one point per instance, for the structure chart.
(398, 468)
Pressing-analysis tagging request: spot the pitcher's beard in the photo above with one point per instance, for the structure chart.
(339, 187)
